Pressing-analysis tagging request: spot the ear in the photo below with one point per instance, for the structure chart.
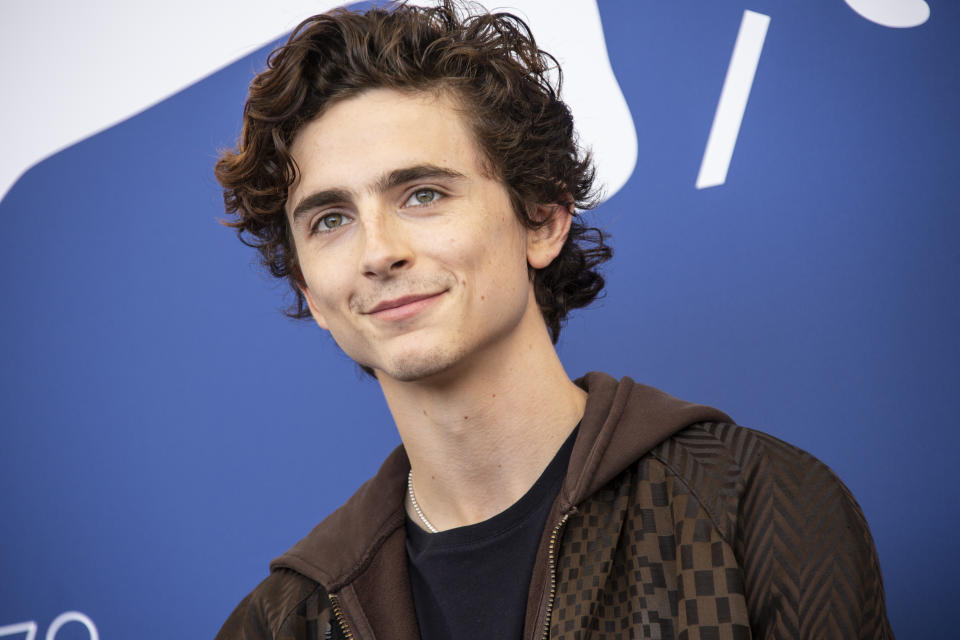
(312, 305)
(545, 242)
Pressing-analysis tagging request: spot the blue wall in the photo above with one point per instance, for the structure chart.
(165, 431)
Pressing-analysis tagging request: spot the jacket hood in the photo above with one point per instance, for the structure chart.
(622, 421)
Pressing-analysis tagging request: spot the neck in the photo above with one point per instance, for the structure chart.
(479, 438)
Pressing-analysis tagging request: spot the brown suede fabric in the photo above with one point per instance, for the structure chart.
(672, 523)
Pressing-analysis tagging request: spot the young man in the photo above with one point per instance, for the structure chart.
(413, 173)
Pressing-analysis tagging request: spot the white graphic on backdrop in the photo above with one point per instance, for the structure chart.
(76, 84)
(892, 13)
(72, 69)
(743, 67)
(29, 628)
(733, 100)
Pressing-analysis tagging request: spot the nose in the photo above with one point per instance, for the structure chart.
(386, 251)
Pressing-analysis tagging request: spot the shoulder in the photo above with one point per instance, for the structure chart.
(721, 443)
(809, 563)
(741, 475)
(283, 606)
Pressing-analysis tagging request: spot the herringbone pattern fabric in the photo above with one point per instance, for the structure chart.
(808, 554)
(721, 533)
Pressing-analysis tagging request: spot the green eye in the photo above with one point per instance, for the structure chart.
(330, 221)
(423, 197)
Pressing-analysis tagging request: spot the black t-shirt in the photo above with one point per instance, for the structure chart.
(472, 582)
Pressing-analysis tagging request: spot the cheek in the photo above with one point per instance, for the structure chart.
(327, 298)
(484, 255)
(502, 267)
(327, 285)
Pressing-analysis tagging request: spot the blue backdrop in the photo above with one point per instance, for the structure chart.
(166, 432)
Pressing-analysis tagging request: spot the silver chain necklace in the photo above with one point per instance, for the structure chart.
(416, 507)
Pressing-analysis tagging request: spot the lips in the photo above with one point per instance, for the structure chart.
(402, 307)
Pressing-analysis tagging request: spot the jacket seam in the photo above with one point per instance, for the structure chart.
(293, 608)
(655, 453)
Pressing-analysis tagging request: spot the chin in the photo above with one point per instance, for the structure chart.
(420, 364)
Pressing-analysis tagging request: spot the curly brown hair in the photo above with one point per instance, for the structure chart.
(490, 63)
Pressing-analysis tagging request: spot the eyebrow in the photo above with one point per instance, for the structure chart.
(384, 183)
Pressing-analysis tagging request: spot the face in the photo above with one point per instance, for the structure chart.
(411, 255)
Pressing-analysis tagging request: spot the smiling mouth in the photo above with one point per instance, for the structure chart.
(403, 307)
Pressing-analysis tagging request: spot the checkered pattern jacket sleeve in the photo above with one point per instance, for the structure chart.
(720, 532)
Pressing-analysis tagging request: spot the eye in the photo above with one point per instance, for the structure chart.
(329, 222)
(422, 197)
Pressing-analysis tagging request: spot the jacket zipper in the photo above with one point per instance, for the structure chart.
(552, 557)
(338, 614)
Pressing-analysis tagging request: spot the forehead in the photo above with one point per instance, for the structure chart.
(378, 131)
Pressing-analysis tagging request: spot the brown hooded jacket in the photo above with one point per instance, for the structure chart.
(671, 523)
